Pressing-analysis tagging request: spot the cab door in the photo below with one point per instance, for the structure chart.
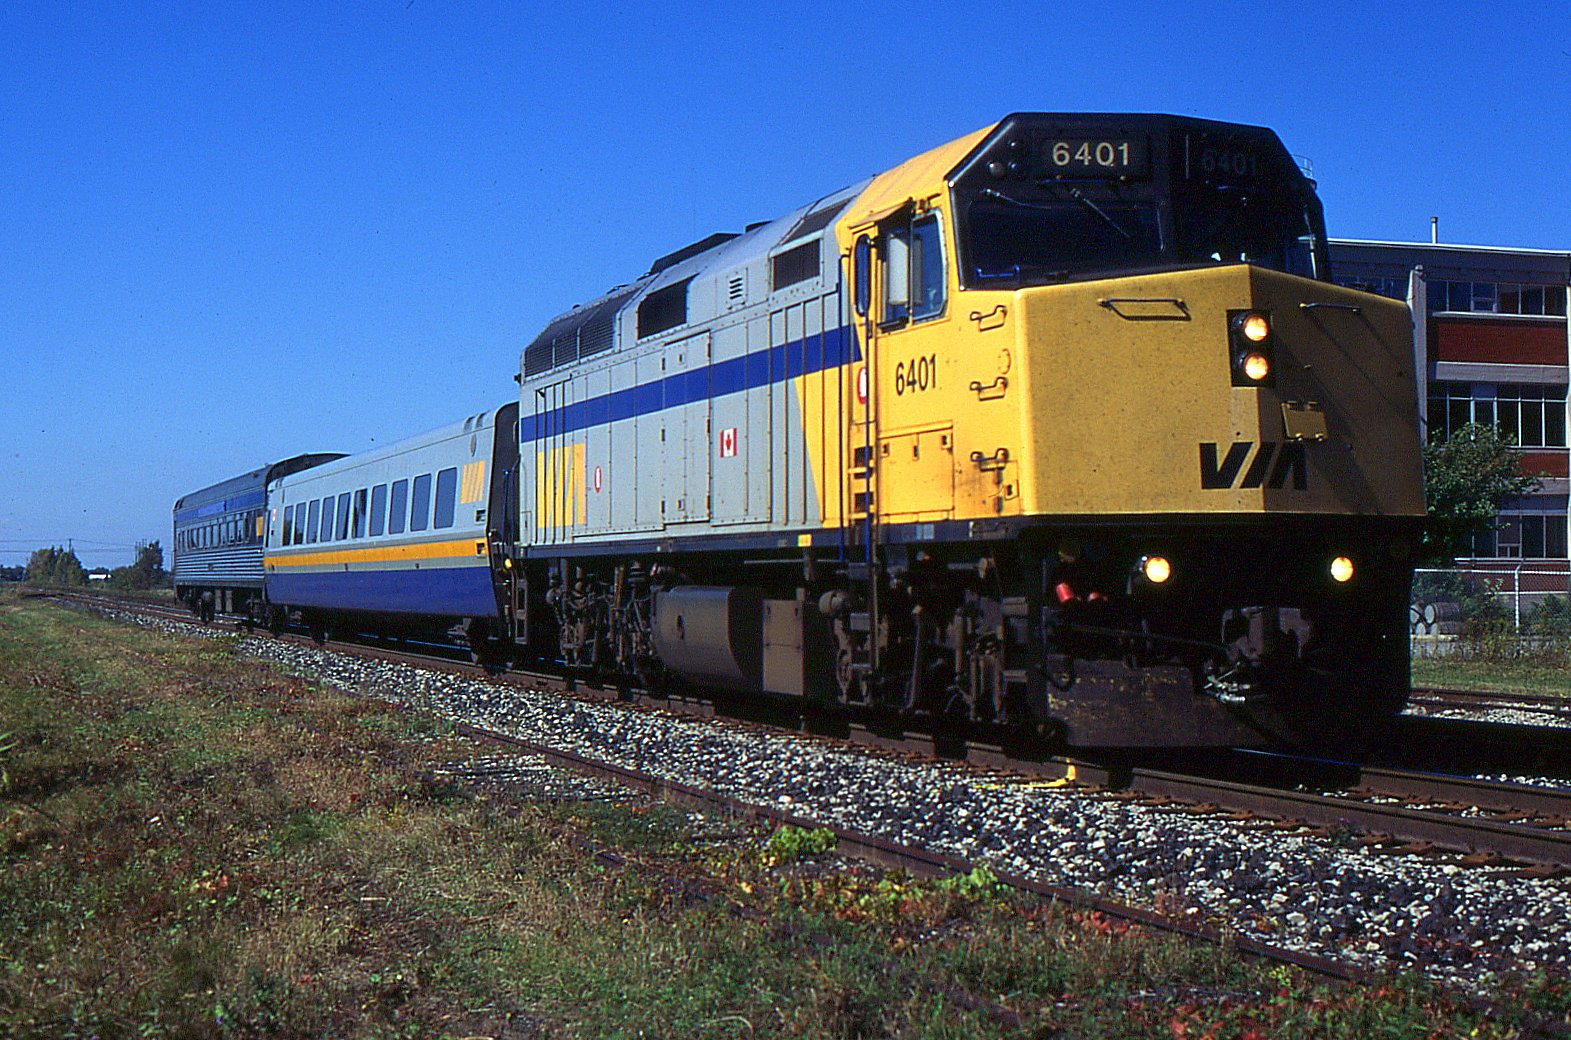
(902, 443)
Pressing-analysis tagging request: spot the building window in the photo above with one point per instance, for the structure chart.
(1497, 298)
(1525, 535)
(1532, 415)
(1392, 288)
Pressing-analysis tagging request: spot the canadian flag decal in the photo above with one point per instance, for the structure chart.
(728, 443)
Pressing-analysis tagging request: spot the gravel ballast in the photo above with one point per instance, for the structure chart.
(1462, 925)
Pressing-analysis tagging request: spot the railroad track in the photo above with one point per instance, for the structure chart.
(1489, 823)
(1200, 795)
(1553, 708)
(925, 862)
(1523, 824)
(916, 860)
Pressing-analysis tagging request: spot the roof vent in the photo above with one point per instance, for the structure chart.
(703, 245)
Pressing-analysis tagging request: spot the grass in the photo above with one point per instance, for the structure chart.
(1524, 675)
(196, 846)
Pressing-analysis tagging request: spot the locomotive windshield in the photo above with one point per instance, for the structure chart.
(1040, 205)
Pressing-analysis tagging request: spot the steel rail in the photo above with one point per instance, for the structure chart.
(1464, 834)
(1534, 701)
(1484, 794)
(918, 861)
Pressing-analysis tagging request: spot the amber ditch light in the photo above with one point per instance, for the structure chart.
(1250, 341)
(1255, 326)
(1156, 569)
(1342, 569)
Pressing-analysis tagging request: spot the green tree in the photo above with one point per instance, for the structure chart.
(1467, 477)
(55, 566)
(146, 573)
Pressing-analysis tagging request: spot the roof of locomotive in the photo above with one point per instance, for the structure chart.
(718, 252)
(852, 206)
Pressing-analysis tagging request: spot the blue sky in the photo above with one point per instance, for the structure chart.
(234, 232)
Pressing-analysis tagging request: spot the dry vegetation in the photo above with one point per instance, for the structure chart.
(195, 846)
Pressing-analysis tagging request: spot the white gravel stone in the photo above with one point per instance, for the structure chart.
(1466, 926)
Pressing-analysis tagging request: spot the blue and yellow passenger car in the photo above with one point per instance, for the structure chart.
(400, 538)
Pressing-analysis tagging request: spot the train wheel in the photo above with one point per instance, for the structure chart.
(493, 655)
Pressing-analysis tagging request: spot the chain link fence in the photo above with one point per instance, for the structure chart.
(1517, 592)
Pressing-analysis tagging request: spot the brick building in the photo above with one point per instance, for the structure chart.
(1491, 337)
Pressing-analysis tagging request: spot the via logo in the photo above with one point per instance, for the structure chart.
(1270, 464)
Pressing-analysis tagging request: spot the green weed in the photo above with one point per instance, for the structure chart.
(789, 843)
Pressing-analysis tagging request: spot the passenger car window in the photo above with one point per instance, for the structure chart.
(446, 493)
(420, 508)
(378, 509)
(360, 513)
(398, 507)
(289, 525)
(327, 518)
(311, 525)
(343, 516)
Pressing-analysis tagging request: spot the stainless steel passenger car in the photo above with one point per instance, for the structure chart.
(217, 543)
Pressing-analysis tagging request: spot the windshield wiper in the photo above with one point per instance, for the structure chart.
(1080, 197)
(1074, 193)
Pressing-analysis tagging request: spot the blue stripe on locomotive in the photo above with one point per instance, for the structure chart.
(818, 353)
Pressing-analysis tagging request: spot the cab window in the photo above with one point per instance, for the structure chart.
(913, 275)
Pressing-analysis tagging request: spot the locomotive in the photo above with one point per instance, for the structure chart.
(1060, 427)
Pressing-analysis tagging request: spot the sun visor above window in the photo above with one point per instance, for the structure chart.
(916, 178)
